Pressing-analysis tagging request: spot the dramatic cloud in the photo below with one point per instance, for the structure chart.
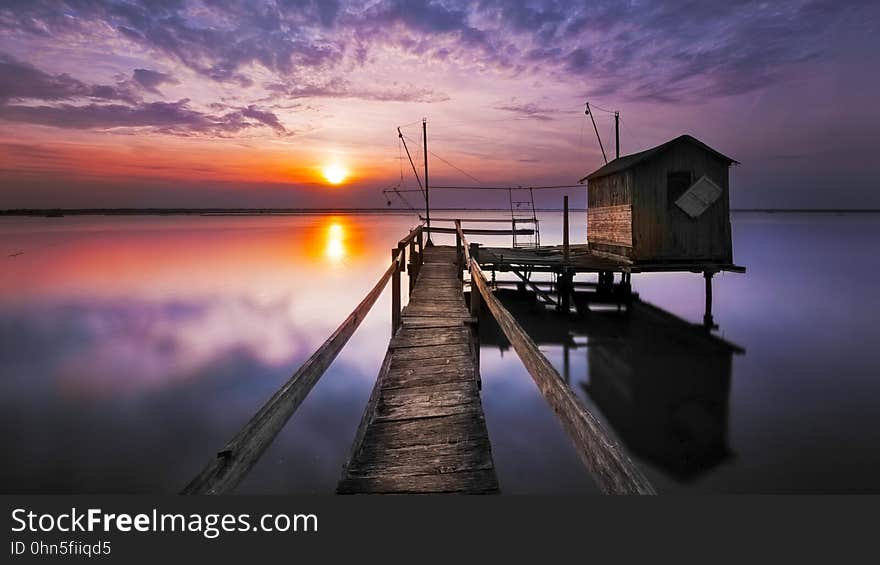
(668, 51)
(22, 81)
(152, 80)
(528, 110)
(168, 117)
(341, 88)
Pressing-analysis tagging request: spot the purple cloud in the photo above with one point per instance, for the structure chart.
(175, 118)
(529, 110)
(152, 80)
(667, 51)
(22, 81)
(337, 87)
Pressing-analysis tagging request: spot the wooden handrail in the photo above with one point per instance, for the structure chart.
(226, 470)
(412, 235)
(483, 231)
(610, 466)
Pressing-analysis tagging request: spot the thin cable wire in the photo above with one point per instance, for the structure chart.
(460, 170)
(600, 108)
(479, 188)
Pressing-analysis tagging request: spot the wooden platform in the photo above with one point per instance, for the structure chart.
(423, 430)
(584, 260)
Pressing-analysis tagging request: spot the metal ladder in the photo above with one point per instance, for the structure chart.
(522, 214)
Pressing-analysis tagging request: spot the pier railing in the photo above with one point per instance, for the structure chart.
(611, 468)
(232, 463)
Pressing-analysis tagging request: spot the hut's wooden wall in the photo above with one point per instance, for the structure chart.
(609, 214)
(661, 230)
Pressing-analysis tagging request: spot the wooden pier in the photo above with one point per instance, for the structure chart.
(423, 430)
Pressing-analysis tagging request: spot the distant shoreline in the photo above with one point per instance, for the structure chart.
(60, 212)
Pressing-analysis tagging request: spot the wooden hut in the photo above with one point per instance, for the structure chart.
(669, 204)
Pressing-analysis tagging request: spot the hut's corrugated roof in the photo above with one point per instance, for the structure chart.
(628, 161)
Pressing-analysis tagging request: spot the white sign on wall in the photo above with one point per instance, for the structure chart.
(699, 197)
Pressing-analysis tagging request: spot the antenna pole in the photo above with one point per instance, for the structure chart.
(427, 197)
(617, 134)
(408, 156)
(587, 112)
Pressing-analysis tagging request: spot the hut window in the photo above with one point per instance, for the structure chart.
(677, 182)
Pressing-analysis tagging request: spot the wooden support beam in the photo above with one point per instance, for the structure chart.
(563, 283)
(481, 231)
(708, 320)
(411, 269)
(395, 291)
(459, 263)
(546, 296)
(565, 246)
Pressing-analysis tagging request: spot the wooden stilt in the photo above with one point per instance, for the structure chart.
(565, 245)
(708, 320)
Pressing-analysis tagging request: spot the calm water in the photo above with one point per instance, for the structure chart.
(131, 349)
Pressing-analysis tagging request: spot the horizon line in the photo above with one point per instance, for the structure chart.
(280, 211)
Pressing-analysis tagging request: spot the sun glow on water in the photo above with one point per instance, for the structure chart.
(335, 249)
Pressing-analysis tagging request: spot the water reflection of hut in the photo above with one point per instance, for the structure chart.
(662, 383)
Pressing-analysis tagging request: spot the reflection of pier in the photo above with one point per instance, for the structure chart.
(661, 382)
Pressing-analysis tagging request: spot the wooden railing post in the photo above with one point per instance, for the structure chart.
(421, 250)
(395, 291)
(475, 305)
(413, 268)
(565, 246)
(458, 253)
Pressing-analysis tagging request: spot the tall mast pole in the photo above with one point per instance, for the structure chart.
(427, 193)
(587, 112)
(617, 134)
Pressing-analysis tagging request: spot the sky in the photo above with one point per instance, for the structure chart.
(296, 103)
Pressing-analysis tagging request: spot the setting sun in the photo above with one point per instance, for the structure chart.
(335, 174)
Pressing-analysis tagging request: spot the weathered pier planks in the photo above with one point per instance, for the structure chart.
(423, 430)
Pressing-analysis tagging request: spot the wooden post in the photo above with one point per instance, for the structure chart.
(708, 321)
(563, 283)
(475, 328)
(458, 256)
(421, 251)
(395, 291)
(427, 186)
(413, 268)
(617, 135)
(565, 230)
